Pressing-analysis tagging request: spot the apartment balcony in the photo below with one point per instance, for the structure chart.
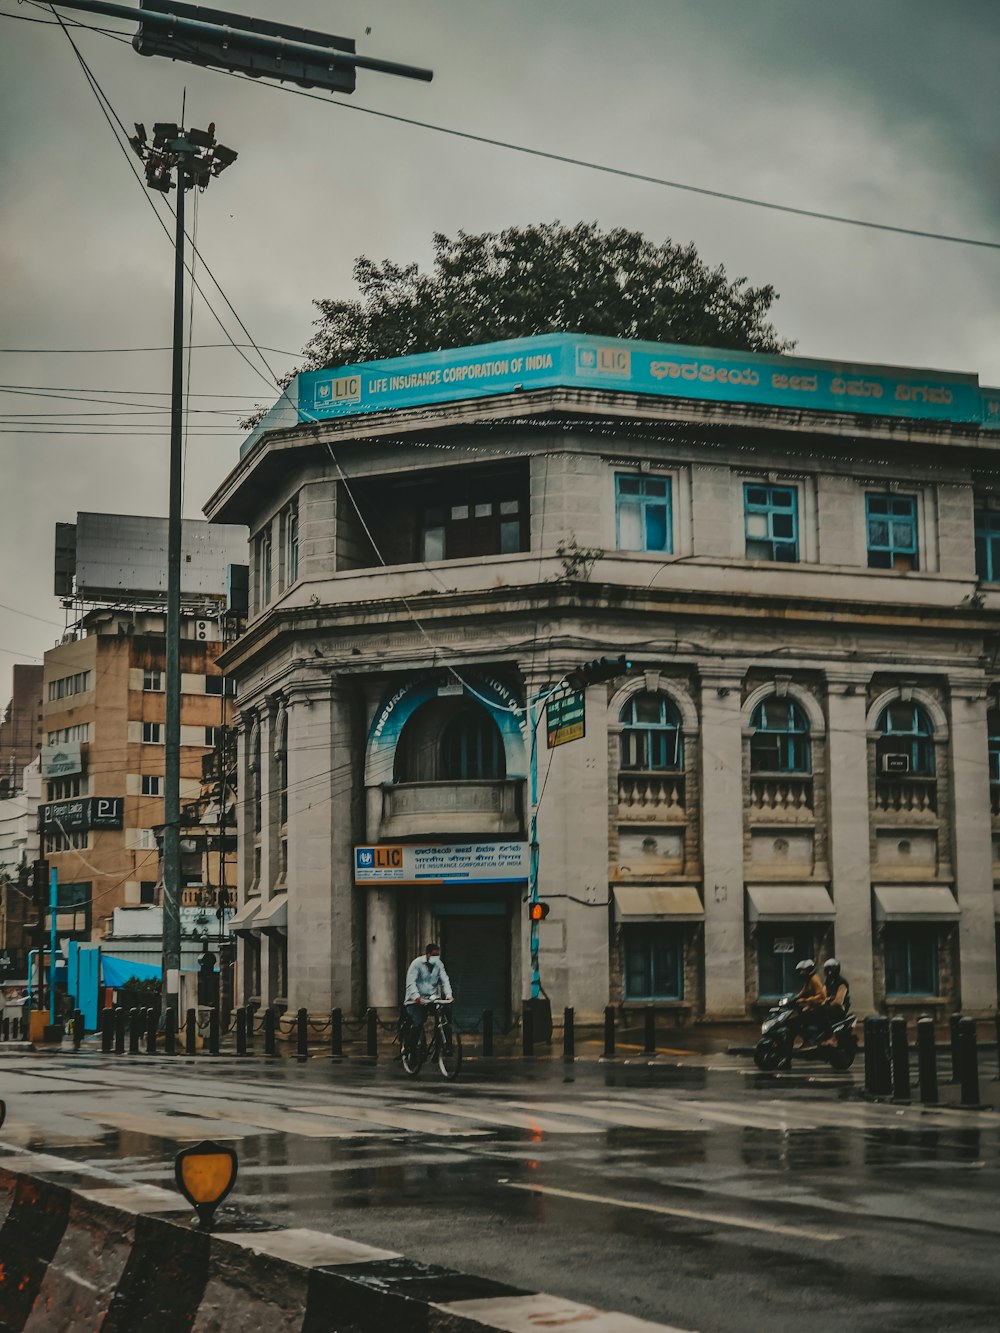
(785, 797)
(650, 796)
(431, 809)
(910, 798)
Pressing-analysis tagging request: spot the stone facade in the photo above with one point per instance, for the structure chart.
(878, 847)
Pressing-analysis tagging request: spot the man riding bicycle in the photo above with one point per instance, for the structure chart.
(426, 980)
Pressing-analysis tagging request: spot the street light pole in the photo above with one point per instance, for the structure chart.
(195, 157)
(172, 738)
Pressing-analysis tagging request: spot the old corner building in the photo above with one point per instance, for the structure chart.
(801, 562)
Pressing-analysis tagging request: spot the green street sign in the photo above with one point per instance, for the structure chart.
(564, 719)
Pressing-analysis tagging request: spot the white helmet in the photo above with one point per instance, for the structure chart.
(806, 965)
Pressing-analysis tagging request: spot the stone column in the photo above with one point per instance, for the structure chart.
(848, 832)
(972, 846)
(573, 865)
(722, 841)
(382, 942)
(244, 845)
(311, 779)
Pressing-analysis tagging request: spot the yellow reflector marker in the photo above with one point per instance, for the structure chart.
(205, 1173)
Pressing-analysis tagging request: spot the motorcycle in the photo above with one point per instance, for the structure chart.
(837, 1044)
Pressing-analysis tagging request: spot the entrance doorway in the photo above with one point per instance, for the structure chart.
(475, 945)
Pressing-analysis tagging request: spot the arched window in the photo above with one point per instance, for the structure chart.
(651, 739)
(255, 779)
(993, 730)
(780, 740)
(905, 734)
(471, 748)
(450, 740)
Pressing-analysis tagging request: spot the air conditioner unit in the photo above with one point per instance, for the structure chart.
(895, 764)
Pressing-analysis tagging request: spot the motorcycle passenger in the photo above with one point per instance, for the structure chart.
(838, 992)
(810, 999)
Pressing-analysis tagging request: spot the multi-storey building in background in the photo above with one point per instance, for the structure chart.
(801, 563)
(105, 713)
(21, 727)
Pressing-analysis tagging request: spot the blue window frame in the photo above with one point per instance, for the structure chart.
(651, 738)
(780, 741)
(779, 948)
(643, 513)
(892, 531)
(988, 545)
(905, 729)
(771, 516)
(911, 960)
(654, 962)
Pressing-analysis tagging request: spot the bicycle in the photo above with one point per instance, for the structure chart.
(445, 1045)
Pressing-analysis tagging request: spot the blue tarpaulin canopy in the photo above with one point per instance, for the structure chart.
(119, 970)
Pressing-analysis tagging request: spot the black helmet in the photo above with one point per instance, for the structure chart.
(806, 965)
(831, 965)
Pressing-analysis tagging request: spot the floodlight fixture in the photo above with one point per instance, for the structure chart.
(205, 1174)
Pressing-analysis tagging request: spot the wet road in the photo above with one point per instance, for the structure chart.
(699, 1194)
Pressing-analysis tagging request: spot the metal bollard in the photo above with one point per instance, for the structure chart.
(569, 1035)
(336, 1034)
(927, 1061)
(953, 1023)
(371, 1034)
(77, 1028)
(134, 1030)
(869, 1055)
(900, 1047)
(487, 1032)
(241, 1032)
(213, 1031)
(609, 1032)
(270, 1043)
(5, 1029)
(649, 1030)
(119, 1031)
(151, 1031)
(191, 1032)
(527, 1029)
(968, 1062)
(878, 1074)
(107, 1031)
(170, 1031)
(248, 1010)
(302, 1034)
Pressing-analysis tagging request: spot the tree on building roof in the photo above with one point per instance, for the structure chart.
(544, 278)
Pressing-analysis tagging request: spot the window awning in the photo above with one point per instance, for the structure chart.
(789, 902)
(273, 915)
(677, 902)
(241, 922)
(915, 902)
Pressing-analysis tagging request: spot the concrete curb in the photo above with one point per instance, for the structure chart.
(78, 1253)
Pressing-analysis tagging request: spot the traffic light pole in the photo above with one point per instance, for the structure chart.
(172, 736)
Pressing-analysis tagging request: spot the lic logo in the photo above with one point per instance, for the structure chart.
(604, 360)
(323, 389)
(366, 858)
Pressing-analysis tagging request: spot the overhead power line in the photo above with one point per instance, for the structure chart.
(88, 351)
(815, 214)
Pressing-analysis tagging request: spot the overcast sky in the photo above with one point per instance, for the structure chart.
(885, 111)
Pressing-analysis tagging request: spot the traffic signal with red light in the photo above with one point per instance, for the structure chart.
(538, 911)
(600, 668)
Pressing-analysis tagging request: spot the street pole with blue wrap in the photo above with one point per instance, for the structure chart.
(53, 913)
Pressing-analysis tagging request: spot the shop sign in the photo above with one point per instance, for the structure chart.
(784, 944)
(460, 863)
(84, 813)
(60, 761)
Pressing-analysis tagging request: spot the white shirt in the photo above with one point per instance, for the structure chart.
(425, 979)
